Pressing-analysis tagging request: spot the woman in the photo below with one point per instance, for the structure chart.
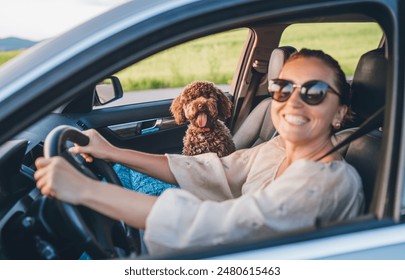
(281, 185)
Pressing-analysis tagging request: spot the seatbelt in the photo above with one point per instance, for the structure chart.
(371, 123)
(259, 69)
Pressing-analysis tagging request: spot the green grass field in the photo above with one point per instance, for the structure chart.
(346, 42)
(214, 58)
(6, 56)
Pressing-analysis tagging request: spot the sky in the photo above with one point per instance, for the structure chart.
(37, 20)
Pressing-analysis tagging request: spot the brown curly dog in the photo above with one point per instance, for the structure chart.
(205, 106)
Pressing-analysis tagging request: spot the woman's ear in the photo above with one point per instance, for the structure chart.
(224, 105)
(339, 116)
(177, 110)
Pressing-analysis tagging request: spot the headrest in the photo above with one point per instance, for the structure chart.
(277, 59)
(368, 85)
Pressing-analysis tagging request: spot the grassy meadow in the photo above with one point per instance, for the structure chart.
(214, 58)
(346, 42)
(6, 56)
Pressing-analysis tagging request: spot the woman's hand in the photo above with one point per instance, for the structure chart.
(57, 178)
(98, 147)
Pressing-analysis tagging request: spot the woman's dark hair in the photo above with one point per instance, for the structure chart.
(340, 78)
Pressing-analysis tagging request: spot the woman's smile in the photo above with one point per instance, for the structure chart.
(295, 119)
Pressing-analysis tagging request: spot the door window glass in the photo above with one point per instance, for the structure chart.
(162, 76)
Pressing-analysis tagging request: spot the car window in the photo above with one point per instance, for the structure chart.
(346, 42)
(162, 76)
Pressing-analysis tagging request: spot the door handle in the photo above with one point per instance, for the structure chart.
(131, 129)
(150, 126)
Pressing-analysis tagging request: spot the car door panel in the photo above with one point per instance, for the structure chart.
(147, 127)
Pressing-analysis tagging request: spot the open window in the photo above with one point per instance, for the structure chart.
(162, 76)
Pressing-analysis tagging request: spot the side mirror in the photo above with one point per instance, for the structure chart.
(108, 90)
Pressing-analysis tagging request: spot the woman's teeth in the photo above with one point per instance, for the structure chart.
(296, 120)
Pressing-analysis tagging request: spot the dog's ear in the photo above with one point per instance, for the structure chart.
(224, 105)
(177, 110)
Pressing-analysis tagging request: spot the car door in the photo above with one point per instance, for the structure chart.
(141, 119)
(147, 127)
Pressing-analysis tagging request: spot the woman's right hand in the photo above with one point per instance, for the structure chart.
(98, 147)
(57, 178)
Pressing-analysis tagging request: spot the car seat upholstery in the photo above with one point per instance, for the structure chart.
(258, 127)
(368, 85)
(368, 96)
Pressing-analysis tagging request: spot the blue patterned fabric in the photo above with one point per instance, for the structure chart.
(139, 182)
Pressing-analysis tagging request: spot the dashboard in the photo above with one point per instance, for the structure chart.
(20, 200)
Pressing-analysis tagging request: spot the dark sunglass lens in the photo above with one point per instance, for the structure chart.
(314, 92)
(280, 90)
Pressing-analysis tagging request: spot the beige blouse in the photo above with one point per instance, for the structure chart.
(237, 197)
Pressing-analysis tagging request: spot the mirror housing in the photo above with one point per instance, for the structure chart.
(107, 91)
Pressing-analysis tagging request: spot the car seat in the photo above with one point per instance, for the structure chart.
(368, 96)
(258, 127)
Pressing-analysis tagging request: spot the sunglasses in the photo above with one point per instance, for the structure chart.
(312, 92)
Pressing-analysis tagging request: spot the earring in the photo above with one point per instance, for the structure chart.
(337, 125)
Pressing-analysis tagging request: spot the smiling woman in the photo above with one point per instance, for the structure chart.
(272, 199)
(252, 196)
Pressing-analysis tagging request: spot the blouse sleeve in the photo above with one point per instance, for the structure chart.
(212, 178)
(295, 200)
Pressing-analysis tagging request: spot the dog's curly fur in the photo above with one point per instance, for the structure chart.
(205, 106)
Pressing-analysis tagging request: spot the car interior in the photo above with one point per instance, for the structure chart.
(135, 126)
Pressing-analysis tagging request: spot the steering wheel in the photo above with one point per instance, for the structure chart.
(101, 236)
